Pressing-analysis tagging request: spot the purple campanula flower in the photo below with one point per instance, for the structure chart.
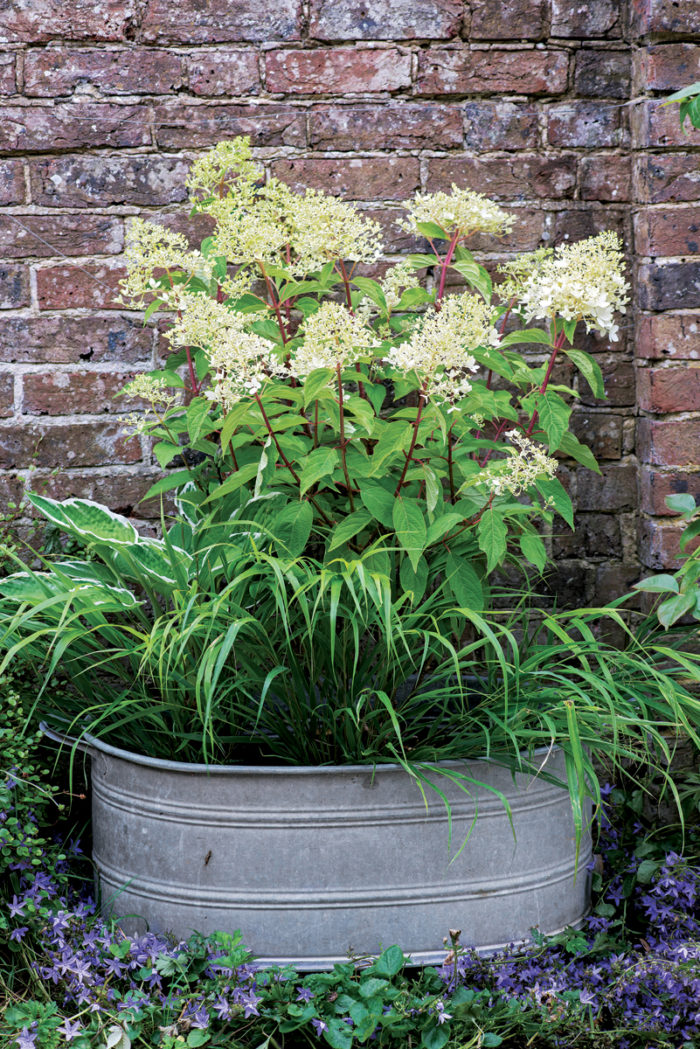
(304, 995)
(17, 907)
(70, 1030)
(26, 1038)
(319, 1026)
(19, 933)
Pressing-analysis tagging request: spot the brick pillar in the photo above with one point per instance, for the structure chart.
(667, 248)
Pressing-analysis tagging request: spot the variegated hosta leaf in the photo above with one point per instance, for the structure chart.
(102, 597)
(151, 559)
(89, 520)
(32, 587)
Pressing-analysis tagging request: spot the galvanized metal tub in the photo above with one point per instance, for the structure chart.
(314, 864)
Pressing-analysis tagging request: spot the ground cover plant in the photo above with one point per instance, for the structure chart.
(630, 977)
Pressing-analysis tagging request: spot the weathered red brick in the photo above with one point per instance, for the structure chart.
(668, 442)
(612, 581)
(675, 285)
(43, 236)
(217, 21)
(68, 286)
(81, 181)
(359, 178)
(11, 490)
(615, 488)
(672, 231)
(607, 178)
(574, 18)
(581, 222)
(665, 16)
(664, 390)
(53, 445)
(619, 379)
(602, 74)
(7, 394)
(526, 235)
(672, 336)
(655, 485)
(655, 125)
(406, 125)
(385, 19)
(8, 82)
(526, 20)
(122, 491)
(668, 67)
(56, 71)
(36, 129)
(14, 287)
(41, 20)
(500, 125)
(216, 72)
(512, 177)
(463, 71)
(194, 227)
(600, 431)
(181, 125)
(73, 393)
(659, 544)
(61, 339)
(594, 536)
(664, 178)
(341, 70)
(588, 124)
(11, 182)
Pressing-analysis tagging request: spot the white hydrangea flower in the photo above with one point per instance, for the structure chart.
(333, 337)
(151, 249)
(439, 349)
(201, 321)
(462, 211)
(582, 281)
(327, 228)
(243, 364)
(228, 163)
(396, 280)
(253, 226)
(153, 389)
(522, 468)
(521, 270)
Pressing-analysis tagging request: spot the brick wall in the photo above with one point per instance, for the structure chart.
(103, 107)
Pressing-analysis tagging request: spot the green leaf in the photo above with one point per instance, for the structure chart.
(165, 452)
(476, 276)
(442, 525)
(646, 871)
(433, 488)
(681, 503)
(198, 1037)
(390, 962)
(465, 583)
(533, 549)
(685, 92)
(420, 262)
(658, 584)
(317, 380)
(570, 446)
(553, 493)
(349, 527)
(514, 338)
(409, 523)
(372, 985)
(372, 290)
(166, 484)
(86, 519)
(554, 416)
(293, 527)
(197, 414)
(338, 1034)
(491, 535)
(675, 607)
(435, 1037)
(590, 369)
(414, 581)
(319, 463)
(432, 231)
(378, 501)
(234, 482)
